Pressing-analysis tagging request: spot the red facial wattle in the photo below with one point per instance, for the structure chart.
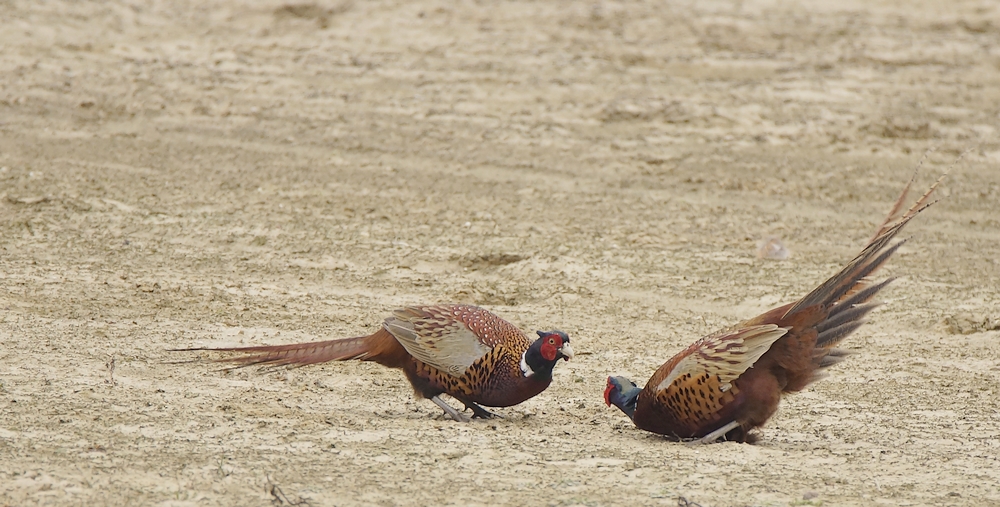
(549, 352)
(550, 348)
(607, 393)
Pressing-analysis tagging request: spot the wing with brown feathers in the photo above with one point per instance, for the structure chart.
(697, 383)
(439, 336)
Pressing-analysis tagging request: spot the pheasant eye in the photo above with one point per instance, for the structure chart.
(552, 341)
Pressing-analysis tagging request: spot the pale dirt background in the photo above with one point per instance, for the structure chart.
(206, 173)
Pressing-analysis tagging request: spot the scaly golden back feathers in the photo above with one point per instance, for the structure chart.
(452, 338)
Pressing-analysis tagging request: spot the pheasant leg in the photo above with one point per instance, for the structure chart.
(715, 435)
(448, 409)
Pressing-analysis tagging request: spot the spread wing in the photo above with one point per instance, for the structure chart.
(697, 383)
(436, 337)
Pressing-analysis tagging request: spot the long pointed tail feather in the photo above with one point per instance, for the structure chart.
(839, 305)
(842, 288)
(296, 354)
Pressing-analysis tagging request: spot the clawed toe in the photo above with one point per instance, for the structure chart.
(486, 415)
(479, 412)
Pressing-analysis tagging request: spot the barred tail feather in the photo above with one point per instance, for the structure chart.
(296, 354)
(853, 279)
(851, 313)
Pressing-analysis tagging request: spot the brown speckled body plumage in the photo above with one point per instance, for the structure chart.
(464, 351)
(731, 382)
(493, 379)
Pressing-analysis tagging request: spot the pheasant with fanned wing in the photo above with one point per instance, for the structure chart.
(460, 350)
(730, 382)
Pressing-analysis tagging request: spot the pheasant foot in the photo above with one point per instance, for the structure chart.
(715, 435)
(448, 409)
(478, 411)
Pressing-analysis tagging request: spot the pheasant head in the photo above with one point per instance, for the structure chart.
(545, 352)
(622, 393)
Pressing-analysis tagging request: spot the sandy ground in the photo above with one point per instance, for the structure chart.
(211, 173)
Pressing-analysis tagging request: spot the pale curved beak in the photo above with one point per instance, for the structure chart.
(566, 351)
